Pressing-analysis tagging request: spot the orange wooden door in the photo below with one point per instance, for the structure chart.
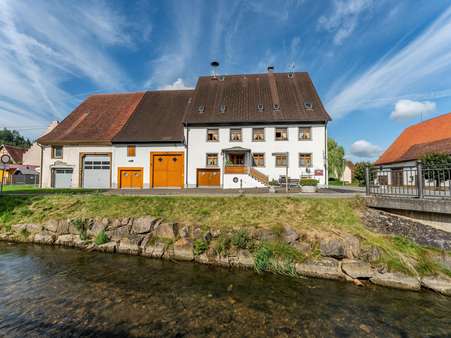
(167, 170)
(208, 177)
(131, 178)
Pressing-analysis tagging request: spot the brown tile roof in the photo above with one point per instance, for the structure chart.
(417, 151)
(433, 134)
(158, 118)
(15, 152)
(242, 93)
(95, 121)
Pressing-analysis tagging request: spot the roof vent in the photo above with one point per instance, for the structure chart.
(276, 107)
(270, 69)
(222, 108)
(260, 108)
(290, 75)
(201, 108)
(308, 105)
(222, 78)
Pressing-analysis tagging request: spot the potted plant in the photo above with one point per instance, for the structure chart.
(308, 184)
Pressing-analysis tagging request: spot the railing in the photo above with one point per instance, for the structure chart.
(409, 181)
(236, 169)
(259, 176)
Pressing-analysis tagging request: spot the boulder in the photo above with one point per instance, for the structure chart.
(185, 232)
(96, 229)
(183, 250)
(332, 247)
(197, 233)
(155, 250)
(106, 247)
(303, 247)
(439, 284)
(351, 246)
(289, 235)
(51, 225)
(70, 240)
(44, 237)
(32, 228)
(327, 268)
(143, 225)
(371, 254)
(166, 230)
(263, 234)
(396, 280)
(130, 245)
(119, 222)
(357, 269)
(63, 227)
(119, 233)
(242, 258)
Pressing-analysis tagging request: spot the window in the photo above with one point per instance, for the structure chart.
(305, 160)
(235, 135)
(258, 159)
(308, 105)
(131, 150)
(281, 160)
(258, 134)
(281, 134)
(212, 135)
(276, 107)
(57, 151)
(305, 133)
(212, 160)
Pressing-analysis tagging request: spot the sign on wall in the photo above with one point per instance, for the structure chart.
(319, 172)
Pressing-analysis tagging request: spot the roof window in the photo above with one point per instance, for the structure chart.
(260, 108)
(201, 108)
(276, 107)
(222, 108)
(308, 104)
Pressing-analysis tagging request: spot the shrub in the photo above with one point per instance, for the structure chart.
(199, 247)
(262, 260)
(222, 246)
(81, 226)
(102, 238)
(308, 182)
(241, 239)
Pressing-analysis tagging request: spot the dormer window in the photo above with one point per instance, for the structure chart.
(276, 107)
(260, 108)
(222, 108)
(308, 104)
(201, 108)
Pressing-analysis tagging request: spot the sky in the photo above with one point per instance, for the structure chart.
(378, 65)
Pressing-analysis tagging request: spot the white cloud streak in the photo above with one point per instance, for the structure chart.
(178, 84)
(408, 109)
(407, 70)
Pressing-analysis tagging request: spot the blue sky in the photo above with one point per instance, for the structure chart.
(379, 66)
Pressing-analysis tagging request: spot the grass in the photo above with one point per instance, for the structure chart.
(199, 247)
(28, 189)
(237, 215)
(101, 238)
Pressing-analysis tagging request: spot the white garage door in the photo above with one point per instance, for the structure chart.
(96, 171)
(62, 177)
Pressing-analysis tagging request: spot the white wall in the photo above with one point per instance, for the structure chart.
(198, 147)
(71, 159)
(141, 160)
(33, 155)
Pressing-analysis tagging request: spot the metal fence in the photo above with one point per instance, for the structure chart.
(416, 181)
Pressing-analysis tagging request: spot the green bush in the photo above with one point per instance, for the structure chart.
(262, 260)
(81, 226)
(101, 238)
(199, 247)
(308, 182)
(241, 239)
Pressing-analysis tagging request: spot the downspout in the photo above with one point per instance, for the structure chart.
(187, 154)
(326, 157)
(42, 167)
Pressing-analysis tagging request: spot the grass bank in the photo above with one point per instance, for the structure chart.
(312, 218)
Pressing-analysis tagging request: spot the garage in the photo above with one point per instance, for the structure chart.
(62, 177)
(208, 177)
(130, 178)
(96, 171)
(167, 170)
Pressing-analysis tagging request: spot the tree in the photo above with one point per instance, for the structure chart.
(436, 167)
(336, 161)
(358, 174)
(13, 137)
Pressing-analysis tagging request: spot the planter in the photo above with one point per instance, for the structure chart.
(308, 188)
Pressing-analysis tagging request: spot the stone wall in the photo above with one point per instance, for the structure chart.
(338, 257)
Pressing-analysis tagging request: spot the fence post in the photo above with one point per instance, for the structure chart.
(420, 185)
(367, 179)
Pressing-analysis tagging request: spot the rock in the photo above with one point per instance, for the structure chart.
(143, 225)
(443, 259)
(183, 250)
(208, 236)
(130, 245)
(263, 234)
(106, 247)
(289, 235)
(146, 240)
(197, 233)
(357, 269)
(332, 248)
(166, 230)
(44, 237)
(31, 228)
(351, 246)
(51, 225)
(185, 232)
(439, 284)
(396, 280)
(371, 254)
(119, 233)
(243, 258)
(70, 240)
(119, 222)
(303, 247)
(155, 250)
(328, 268)
(63, 227)
(215, 233)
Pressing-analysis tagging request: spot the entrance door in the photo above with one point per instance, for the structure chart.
(131, 178)
(96, 171)
(62, 177)
(208, 177)
(167, 170)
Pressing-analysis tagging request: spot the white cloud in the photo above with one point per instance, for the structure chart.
(344, 19)
(393, 76)
(407, 109)
(365, 149)
(177, 85)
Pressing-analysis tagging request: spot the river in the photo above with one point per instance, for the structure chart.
(48, 291)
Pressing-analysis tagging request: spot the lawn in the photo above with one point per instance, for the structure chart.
(312, 218)
(34, 189)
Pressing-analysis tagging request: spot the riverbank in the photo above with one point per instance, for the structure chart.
(324, 238)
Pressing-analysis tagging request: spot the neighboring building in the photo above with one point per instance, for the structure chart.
(230, 131)
(431, 136)
(348, 172)
(32, 156)
(16, 155)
